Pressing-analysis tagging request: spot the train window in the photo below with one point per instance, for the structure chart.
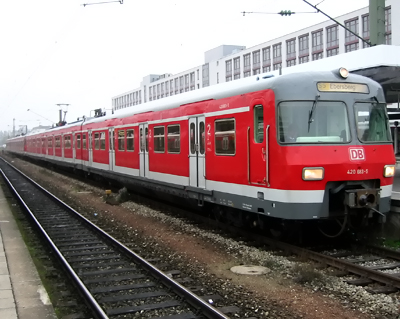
(258, 124)
(78, 141)
(202, 137)
(103, 140)
(313, 122)
(130, 140)
(96, 141)
(50, 142)
(58, 142)
(174, 138)
(159, 139)
(225, 137)
(84, 141)
(67, 141)
(121, 140)
(141, 140)
(192, 138)
(146, 130)
(372, 122)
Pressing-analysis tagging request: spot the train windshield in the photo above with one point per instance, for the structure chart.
(372, 122)
(313, 122)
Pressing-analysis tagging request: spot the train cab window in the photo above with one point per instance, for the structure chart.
(159, 139)
(225, 137)
(258, 124)
(313, 122)
(130, 135)
(121, 140)
(84, 141)
(372, 122)
(174, 138)
(78, 141)
(96, 141)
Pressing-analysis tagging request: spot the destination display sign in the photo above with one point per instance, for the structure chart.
(342, 87)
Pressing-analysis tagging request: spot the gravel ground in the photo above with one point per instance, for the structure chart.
(291, 288)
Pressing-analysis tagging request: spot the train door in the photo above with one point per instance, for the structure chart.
(62, 145)
(197, 152)
(111, 153)
(90, 148)
(258, 147)
(144, 150)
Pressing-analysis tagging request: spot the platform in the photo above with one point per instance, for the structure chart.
(22, 295)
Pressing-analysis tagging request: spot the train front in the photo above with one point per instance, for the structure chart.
(335, 148)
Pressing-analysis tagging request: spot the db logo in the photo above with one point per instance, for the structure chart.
(357, 154)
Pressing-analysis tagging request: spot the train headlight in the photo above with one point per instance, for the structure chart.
(344, 73)
(389, 171)
(313, 173)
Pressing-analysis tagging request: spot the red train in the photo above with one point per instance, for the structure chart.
(266, 150)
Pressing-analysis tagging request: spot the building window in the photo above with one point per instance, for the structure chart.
(121, 140)
(277, 53)
(266, 68)
(266, 59)
(365, 30)
(205, 75)
(130, 140)
(176, 86)
(351, 41)
(388, 25)
(277, 66)
(246, 63)
(174, 138)
(317, 41)
(186, 82)
(332, 37)
(236, 68)
(192, 81)
(351, 47)
(225, 137)
(228, 70)
(291, 62)
(332, 52)
(317, 56)
(181, 79)
(256, 62)
(304, 59)
(290, 49)
(304, 49)
(159, 139)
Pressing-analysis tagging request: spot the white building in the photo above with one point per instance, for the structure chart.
(318, 42)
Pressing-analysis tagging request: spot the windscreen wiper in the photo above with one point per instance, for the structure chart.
(310, 113)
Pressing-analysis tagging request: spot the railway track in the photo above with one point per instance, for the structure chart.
(114, 281)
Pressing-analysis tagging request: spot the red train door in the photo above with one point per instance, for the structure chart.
(111, 156)
(258, 148)
(197, 152)
(144, 150)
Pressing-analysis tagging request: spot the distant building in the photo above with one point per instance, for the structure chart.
(230, 62)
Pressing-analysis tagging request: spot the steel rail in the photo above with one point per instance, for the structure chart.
(202, 306)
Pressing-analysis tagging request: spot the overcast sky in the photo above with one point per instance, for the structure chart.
(59, 51)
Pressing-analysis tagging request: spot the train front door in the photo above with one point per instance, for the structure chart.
(258, 154)
(111, 141)
(144, 150)
(197, 152)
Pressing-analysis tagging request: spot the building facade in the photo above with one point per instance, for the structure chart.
(231, 62)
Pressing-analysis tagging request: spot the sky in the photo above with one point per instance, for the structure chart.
(64, 52)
